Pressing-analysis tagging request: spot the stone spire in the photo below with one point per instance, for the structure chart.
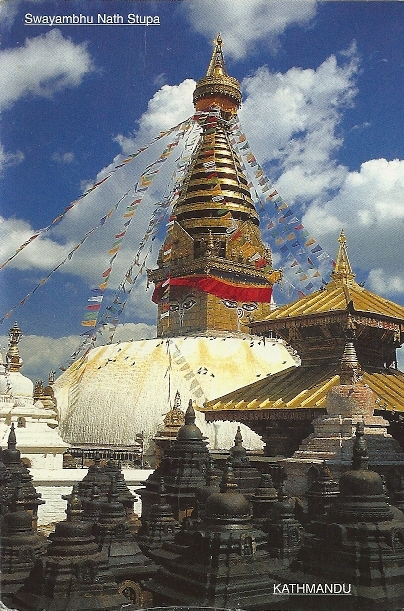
(263, 500)
(247, 476)
(322, 493)
(182, 470)
(350, 369)
(18, 473)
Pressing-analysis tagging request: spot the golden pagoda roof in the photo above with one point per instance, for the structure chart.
(304, 387)
(340, 294)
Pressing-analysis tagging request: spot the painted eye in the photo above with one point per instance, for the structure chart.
(174, 307)
(249, 307)
(229, 304)
(188, 303)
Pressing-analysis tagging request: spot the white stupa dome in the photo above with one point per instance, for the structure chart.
(21, 386)
(124, 389)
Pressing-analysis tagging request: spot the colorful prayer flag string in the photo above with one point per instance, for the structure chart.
(128, 159)
(145, 181)
(285, 228)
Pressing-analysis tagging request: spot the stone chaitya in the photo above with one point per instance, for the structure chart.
(246, 475)
(98, 480)
(17, 474)
(20, 545)
(366, 537)
(116, 538)
(322, 492)
(284, 531)
(73, 574)
(159, 526)
(263, 500)
(224, 562)
(182, 470)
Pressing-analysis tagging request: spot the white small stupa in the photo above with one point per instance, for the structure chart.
(38, 436)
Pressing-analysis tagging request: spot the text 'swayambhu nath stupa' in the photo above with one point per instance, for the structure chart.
(214, 276)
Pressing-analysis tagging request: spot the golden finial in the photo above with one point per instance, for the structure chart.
(343, 274)
(217, 87)
(218, 40)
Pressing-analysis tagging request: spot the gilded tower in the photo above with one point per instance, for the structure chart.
(214, 272)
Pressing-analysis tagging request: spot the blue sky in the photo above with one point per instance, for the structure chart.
(323, 105)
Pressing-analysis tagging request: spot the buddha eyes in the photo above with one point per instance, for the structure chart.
(188, 303)
(247, 307)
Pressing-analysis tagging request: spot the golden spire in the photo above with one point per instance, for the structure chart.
(217, 87)
(213, 257)
(342, 273)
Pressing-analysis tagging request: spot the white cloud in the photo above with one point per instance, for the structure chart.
(291, 120)
(170, 105)
(9, 159)
(44, 65)
(242, 24)
(382, 283)
(134, 331)
(42, 253)
(369, 205)
(63, 157)
(42, 354)
(8, 12)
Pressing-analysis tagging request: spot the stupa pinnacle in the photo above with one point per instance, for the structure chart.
(214, 272)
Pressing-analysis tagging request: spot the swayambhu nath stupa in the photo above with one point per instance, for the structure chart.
(214, 276)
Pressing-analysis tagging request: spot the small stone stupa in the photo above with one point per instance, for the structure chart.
(224, 565)
(20, 545)
(35, 416)
(17, 474)
(361, 542)
(247, 476)
(182, 470)
(73, 574)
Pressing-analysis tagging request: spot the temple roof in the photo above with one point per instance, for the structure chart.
(342, 293)
(305, 387)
